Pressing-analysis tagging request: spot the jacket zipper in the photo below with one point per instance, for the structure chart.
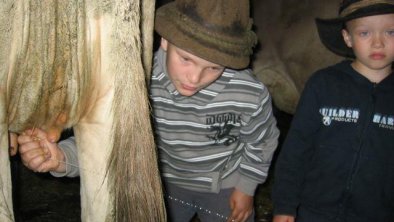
(364, 129)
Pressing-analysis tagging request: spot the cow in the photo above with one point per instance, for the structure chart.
(289, 46)
(84, 64)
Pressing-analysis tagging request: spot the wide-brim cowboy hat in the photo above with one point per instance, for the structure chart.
(330, 30)
(218, 31)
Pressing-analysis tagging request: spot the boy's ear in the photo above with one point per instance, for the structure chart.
(164, 44)
(347, 38)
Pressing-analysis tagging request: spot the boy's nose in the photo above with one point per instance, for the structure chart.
(195, 76)
(377, 41)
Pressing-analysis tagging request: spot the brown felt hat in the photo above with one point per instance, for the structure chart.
(330, 30)
(219, 31)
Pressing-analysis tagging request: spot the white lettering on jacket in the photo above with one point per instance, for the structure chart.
(384, 121)
(349, 115)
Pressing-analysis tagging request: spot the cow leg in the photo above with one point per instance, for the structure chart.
(94, 141)
(93, 131)
(6, 209)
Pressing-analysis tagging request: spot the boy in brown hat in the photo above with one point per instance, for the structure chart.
(215, 130)
(336, 163)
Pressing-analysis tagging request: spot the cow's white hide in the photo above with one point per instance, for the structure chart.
(87, 60)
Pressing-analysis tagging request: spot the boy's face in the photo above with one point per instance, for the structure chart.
(189, 73)
(372, 41)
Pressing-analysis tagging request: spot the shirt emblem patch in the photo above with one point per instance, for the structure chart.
(221, 125)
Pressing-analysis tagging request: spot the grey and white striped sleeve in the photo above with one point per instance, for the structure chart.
(69, 147)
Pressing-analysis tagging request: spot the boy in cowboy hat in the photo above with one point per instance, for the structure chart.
(215, 130)
(337, 161)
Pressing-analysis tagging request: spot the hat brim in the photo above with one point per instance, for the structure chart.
(330, 33)
(167, 26)
(330, 30)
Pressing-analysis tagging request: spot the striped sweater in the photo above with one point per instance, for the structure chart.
(223, 136)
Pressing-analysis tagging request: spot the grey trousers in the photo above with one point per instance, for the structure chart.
(183, 204)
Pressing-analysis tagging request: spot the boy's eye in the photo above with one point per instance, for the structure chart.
(363, 33)
(216, 69)
(184, 59)
(390, 32)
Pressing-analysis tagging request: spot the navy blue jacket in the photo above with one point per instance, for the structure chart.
(337, 162)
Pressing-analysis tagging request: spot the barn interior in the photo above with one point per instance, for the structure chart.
(289, 51)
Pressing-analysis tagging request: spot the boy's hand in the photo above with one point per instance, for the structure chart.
(53, 133)
(283, 218)
(241, 205)
(38, 154)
